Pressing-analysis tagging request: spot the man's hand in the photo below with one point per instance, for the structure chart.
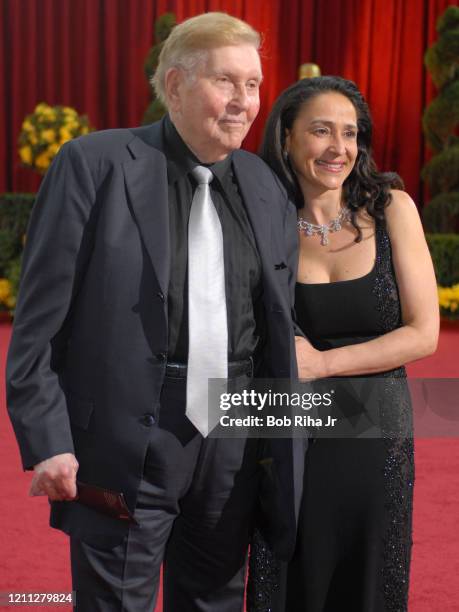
(311, 362)
(56, 478)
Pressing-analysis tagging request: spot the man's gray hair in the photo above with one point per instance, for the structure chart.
(187, 45)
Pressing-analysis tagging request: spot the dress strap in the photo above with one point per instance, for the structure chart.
(385, 286)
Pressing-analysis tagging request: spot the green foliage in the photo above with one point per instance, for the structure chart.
(449, 20)
(163, 27)
(13, 274)
(440, 122)
(444, 249)
(441, 58)
(441, 117)
(154, 112)
(442, 171)
(442, 213)
(14, 215)
(151, 61)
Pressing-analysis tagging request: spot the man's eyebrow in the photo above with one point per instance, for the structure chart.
(223, 72)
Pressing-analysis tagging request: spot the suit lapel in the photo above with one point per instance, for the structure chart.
(146, 183)
(256, 199)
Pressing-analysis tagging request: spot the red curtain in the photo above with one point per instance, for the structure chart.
(89, 54)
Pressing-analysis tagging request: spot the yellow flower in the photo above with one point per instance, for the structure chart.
(42, 161)
(448, 297)
(27, 126)
(48, 116)
(67, 110)
(51, 126)
(48, 135)
(53, 149)
(65, 134)
(71, 124)
(25, 153)
(5, 289)
(41, 107)
(11, 301)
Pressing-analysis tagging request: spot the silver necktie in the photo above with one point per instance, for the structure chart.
(207, 318)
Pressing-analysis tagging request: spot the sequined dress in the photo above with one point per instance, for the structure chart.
(354, 535)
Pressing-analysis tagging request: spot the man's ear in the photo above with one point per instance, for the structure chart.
(172, 81)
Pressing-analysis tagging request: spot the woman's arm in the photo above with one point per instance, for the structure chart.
(418, 335)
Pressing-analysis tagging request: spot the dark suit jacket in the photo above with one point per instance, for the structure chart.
(88, 351)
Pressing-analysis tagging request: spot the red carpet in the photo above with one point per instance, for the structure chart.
(35, 558)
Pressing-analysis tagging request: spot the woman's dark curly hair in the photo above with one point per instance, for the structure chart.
(365, 187)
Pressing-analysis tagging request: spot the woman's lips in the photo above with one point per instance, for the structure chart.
(330, 166)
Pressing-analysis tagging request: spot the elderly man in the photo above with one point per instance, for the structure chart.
(156, 258)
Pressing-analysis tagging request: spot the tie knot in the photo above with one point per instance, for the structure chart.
(202, 174)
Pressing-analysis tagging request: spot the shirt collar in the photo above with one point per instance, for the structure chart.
(181, 160)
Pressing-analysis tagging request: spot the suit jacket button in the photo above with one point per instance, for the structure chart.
(160, 294)
(161, 357)
(148, 420)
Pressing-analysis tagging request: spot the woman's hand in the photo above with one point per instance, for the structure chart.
(311, 362)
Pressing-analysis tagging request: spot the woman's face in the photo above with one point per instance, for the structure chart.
(322, 143)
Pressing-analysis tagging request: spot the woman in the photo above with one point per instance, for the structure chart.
(366, 300)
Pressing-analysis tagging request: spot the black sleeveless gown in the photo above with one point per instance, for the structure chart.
(354, 535)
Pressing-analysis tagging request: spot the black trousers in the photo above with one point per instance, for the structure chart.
(195, 509)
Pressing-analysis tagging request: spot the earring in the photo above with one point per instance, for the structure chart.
(285, 156)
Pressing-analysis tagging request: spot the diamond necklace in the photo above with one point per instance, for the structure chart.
(313, 229)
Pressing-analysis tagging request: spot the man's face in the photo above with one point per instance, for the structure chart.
(214, 108)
